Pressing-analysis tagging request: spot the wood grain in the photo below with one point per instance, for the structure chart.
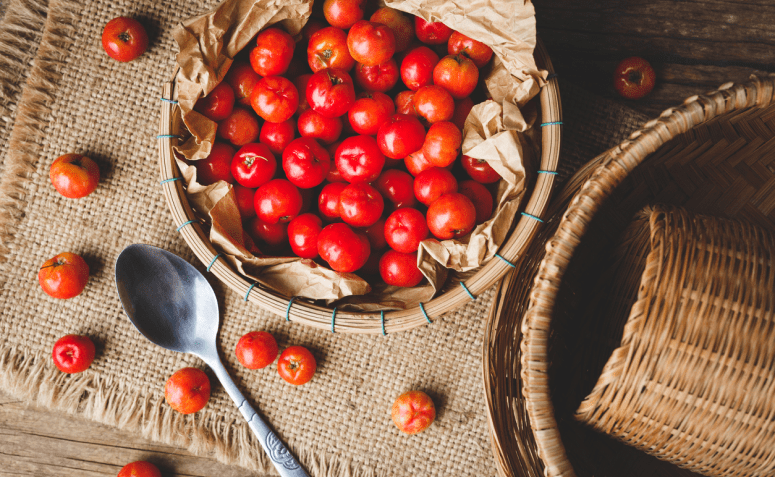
(41, 443)
(694, 46)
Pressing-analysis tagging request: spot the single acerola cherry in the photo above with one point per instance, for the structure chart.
(479, 170)
(305, 162)
(240, 128)
(242, 80)
(405, 229)
(278, 201)
(253, 165)
(343, 13)
(139, 468)
(416, 163)
(442, 143)
(369, 112)
(477, 51)
(457, 74)
(432, 33)
(451, 216)
(381, 77)
(316, 126)
(277, 136)
(359, 159)
(400, 136)
(73, 353)
(124, 39)
(244, 197)
(360, 205)
(417, 67)
(296, 365)
(256, 350)
(401, 24)
(413, 412)
(64, 276)
(344, 249)
(405, 103)
(273, 52)
(634, 78)
(328, 200)
(433, 183)
(218, 104)
(400, 269)
(271, 237)
(327, 48)
(330, 92)
(480, 197)
(275, 99)
(217, 166)
(74, 175)
(397, 187)
(303, 232)
(371, 43)
(187, 390)
(434, 104)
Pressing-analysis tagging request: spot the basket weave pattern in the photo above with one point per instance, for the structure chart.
(711, 155)
(692, 382)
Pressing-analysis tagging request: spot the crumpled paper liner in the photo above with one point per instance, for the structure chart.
(497, 130)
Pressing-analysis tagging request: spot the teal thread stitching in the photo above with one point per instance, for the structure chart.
(170, 180)
(333, 320)
(553, 123)
(163, 136)
(288, 310)
(425, 314)
(547, 172)
(507, 262)
(171, 101)
(185, 223)
(467, 290)
(213, 262)
(532, 217)
(382, 316)
(249, 289)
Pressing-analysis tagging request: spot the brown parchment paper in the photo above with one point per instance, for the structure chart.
(494, 131)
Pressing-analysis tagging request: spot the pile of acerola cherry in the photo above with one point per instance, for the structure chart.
(356, 143)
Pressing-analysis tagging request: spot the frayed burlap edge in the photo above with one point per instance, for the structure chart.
(31, 376)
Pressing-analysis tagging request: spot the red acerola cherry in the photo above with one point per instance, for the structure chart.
(244, 197)
(218, 104)
(253, 165)
(240, 128)
(405, 229)
(401, 24)
(369, 112)
(434, 104)
(400, 269)
(417, 67)
(432, 33)
(477, 51)
(327, 48)
(360, 205)
(416, 163)
(400, 136)
(275, 99)
(343, 13)
(217, 166)
(359, 159)
(405, 103)
(277, 136)
(442, 144)
(303, 232)
(457, 74)
(480, 197)
(277, 201)
(270, 237)
(371, 43)
(397, 187)
(330, 92)
(242, 79)
(433, 183)
(381, 77)
(316, 126)
(451, 216)
(328, 200)
(273, 52)
(305, 162)
(344, 249)
(479, 170)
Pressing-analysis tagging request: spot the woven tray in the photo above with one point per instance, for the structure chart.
(712, 155)
(303, 311)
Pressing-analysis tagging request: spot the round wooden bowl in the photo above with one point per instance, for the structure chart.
(303, 311)
(713, 155)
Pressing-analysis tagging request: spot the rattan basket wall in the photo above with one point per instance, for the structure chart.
(713, 155)
(303, 311)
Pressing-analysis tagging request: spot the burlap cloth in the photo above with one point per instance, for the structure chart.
(76, 99)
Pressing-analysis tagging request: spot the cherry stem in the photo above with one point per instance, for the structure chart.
(55, 264)
(124, 36)
(635, 76)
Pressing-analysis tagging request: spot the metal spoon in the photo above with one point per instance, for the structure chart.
(174, 306)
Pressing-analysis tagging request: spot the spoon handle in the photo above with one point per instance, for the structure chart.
(283, 460)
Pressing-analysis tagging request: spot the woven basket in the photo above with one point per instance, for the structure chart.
(303, 311)
(713, 155)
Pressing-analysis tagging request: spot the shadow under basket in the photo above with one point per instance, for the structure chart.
(713, 155)
(304, 311)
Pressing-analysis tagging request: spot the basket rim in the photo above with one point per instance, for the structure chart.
(617, 163)
(366, 322)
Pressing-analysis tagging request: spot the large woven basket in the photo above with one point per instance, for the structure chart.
(303, 311)
(711, 155)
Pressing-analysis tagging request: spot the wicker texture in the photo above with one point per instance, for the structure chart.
(692, 380)
(317, 316)
(712, 155)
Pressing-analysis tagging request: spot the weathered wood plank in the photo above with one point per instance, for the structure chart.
(41, 443)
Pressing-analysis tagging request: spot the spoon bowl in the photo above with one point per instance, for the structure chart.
(172, 304)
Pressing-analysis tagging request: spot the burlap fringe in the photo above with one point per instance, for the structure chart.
(31, 376)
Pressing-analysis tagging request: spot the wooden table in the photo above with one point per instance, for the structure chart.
(695, 46)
